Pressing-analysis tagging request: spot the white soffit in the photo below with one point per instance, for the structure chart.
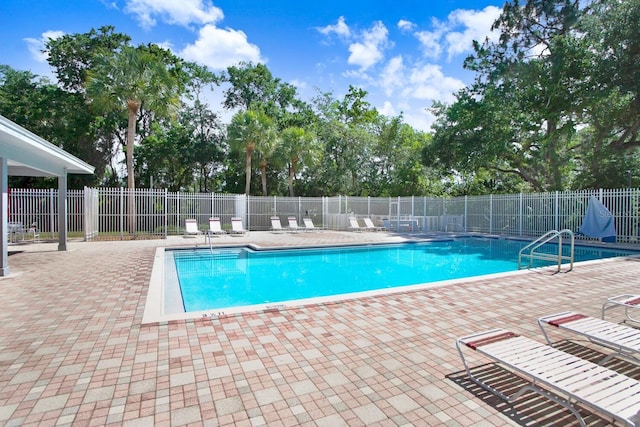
(29, 155)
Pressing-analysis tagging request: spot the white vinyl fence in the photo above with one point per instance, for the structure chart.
(103, 213)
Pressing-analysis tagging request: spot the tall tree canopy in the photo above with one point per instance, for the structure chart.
(549, 96)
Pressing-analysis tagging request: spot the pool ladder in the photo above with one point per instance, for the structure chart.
(529, 251)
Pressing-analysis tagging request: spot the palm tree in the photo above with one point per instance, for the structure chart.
(265, 151)
(131, 79)
(296, 145)
(250, 130)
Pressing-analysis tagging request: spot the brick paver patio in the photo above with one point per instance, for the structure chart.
(73, 350)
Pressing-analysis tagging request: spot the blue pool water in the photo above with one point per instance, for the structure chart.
(233, 277)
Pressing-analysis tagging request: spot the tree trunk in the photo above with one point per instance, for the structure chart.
(132, 108)
(292, 173)
(263, 176)
(247, 180)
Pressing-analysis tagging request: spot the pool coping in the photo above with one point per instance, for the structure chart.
(154, 311)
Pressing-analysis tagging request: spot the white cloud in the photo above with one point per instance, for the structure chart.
(429, 83)
(456, 34)
(219, 48)
(36, 46)
(387, 109)
(477, 26)
(368, 51)
(421, 119)
(300, 84)
(340, 28)
(392, 76)
(183, 12)
(430, 41)
(405, 25)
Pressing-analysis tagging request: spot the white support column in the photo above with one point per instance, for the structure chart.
(4, 218)
(62, 211)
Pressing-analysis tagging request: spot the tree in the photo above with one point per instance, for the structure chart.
(346, 132)
(58, 116)
(246, 131)
(132, 79)
(265, 150)
(253, 86)
(521, 114)
(297, 145)
(73, 55)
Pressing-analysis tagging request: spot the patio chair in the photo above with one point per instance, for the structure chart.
(628, 301)
(353, 225)
(293, 224)
(15, 229)
(237, 229)
(215, 228)
(34, 232)
(309, 225)
(567, 379)
(369, 225)
(276, 226)
(622, 339)
(191, 228)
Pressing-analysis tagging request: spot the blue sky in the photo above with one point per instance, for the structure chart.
(405, 53)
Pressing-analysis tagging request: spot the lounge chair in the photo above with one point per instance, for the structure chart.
(369, 225)
(215, 228)
(308, 224)
(276, 226)
(353, 225)
(34, 232)
(567, 379)
(628, 301)
(237, 229)
(191, 228)
(622, 339)
(293, 224)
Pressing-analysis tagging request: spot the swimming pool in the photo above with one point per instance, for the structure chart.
(237, 277)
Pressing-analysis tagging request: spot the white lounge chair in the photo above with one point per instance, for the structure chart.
(622, 339)
(276, 226)
(215, 228)
(293, 224)
(562, 377)
(237, 229)
(191, 228)
(628, 301)
(308, 224)
(369, 225)
(34, 232)
(353, 225)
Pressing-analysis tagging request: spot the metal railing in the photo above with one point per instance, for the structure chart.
(104, 212)
(531, 251)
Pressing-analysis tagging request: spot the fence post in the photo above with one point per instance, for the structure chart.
(324, 212)
(424, 213)
(247, 205)
(464, 221)
(398, 220)
(413, 212)
(490, 213)
(520, 215)
(557, 212)
(121, 213)
(52, 210)
(166, 214)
